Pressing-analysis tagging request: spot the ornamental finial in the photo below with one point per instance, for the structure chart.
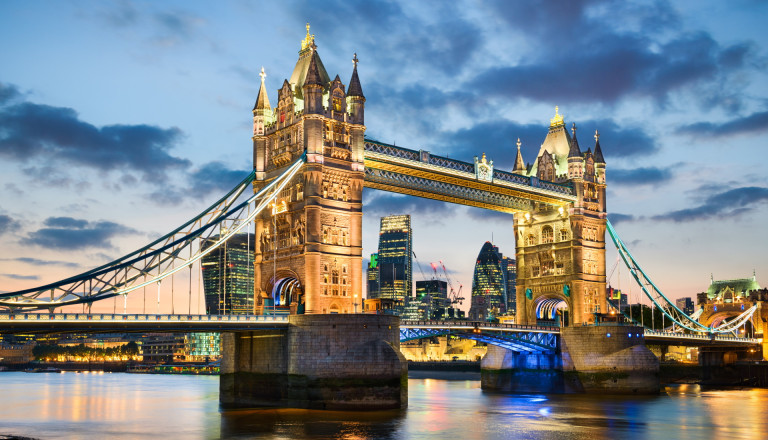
(308, 41)
(262, 74)
(597, 136)
(573, 129)
(518, 143)
(355, 60)
(557, 120)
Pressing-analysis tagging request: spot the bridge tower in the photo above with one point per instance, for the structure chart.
(308, 256)
(561, 250)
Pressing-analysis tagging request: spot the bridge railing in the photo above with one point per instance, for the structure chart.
(115, 317)
(701, 337)
(480, 325)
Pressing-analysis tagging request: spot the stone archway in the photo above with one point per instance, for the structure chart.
(551, 310)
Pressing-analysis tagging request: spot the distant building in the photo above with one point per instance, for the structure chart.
(509, 270)
(228, 276)
(432, 297)
(685, 304)
(728, 291)
(373, 277)
(488, 285)
(617, 299)
(395, 258)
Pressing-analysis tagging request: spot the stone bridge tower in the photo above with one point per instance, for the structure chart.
(561, 250)
(308, 256)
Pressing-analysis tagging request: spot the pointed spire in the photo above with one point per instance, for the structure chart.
(598, 151)
(519, 164)
(313, 73)
(354, 84)
(575, 151)
(262, 100)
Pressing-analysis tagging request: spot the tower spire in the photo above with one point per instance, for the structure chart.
(519, 164)
(262, 100)
(575, 151)
(598, 151)
(355, 89)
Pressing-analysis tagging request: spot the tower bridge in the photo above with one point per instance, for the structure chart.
(311, 161)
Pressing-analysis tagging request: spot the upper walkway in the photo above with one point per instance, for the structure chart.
(419, 173)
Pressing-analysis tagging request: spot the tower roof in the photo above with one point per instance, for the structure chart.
(307, 54)
(575, 151)
(558, 143)
(598, 151)
(354, 84)
(262, 100)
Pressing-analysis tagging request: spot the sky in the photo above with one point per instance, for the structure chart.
(120, 120)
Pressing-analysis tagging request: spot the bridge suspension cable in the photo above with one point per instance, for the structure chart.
(163, 257)
(667, 307)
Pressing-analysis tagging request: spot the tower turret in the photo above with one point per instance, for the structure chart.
(313, 86)
(599, 160)
(575, 160)
(262, 116)
(355, 97)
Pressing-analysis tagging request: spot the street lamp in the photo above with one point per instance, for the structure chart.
(355, 302)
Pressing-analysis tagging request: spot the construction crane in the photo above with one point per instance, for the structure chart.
(454, 295)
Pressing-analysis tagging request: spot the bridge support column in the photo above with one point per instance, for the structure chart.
(509, 371)
(609, 359)
(349, 362)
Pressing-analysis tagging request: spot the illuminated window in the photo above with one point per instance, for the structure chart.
(547, 235)
(563, 235)
(531, 240)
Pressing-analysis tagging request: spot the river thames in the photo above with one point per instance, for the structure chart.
(127, 406)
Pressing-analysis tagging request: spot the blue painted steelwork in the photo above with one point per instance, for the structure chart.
(663, 303)
(516, 338)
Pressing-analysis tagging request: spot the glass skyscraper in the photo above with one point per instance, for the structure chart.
(373, 277)
(488, 285)
(509, 270)
(395, 251)
(228, 276)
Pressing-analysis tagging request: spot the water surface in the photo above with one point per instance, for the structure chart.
(127, 406)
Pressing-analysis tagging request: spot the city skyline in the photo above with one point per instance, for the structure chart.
(678, 97)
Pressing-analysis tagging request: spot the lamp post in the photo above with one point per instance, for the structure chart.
(355, 302)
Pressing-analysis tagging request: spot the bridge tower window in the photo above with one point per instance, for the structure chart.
(547, 234)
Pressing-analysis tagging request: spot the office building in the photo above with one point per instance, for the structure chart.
(395, 257)
(488, 285)
(228, 276)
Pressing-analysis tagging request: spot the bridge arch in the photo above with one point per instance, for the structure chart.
(286, 291)
(551, 308)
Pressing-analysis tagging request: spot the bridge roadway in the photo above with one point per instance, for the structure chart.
(107, 322)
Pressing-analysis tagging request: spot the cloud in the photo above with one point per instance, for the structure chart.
(8, 224)
(602, 60)
(67, 233)
(731, 203)
(616, 218)
(57, 135)
(751, 124)
(215, 177)
(497, 139)
(38, 262)
(641, 176)
(14, 276)
(381, 204)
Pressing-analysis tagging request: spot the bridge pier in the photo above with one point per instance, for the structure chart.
(591, 359)
(342, 362)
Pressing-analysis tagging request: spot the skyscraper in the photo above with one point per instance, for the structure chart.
(509, 270)
(395, 251)
(488, 285)
(228, 276)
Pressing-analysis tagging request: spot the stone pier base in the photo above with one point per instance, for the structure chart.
(341, 362)
(592, 359)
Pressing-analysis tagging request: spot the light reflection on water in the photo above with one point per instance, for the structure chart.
(122, 406)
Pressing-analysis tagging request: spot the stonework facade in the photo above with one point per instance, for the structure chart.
(309, 251)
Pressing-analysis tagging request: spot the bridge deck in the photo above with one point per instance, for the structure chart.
(105, 322)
